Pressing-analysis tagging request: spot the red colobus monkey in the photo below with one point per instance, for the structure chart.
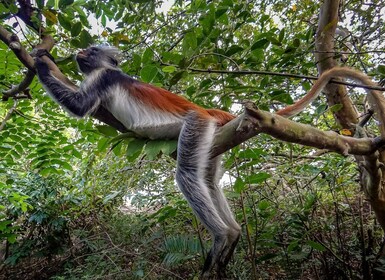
(156, 113)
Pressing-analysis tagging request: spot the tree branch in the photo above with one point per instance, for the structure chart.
(255, 121)
(8, 115)
(269, 73)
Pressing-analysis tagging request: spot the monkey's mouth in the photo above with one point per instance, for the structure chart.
(81, 54)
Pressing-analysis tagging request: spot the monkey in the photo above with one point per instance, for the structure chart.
(155, 113)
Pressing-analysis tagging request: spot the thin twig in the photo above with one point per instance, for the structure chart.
(288, 75)
(350, 53)
(217, 54)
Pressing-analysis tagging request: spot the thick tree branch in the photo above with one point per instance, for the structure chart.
(256, 121)
(22, 54)
(13, 42)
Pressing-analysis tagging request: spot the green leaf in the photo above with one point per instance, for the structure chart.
(336, 108)
(4, 224)
(47, 171)
(153, 148)
(107, 130)
(85, 39)
(292, 246)
(169, 69)
(189, 41)
(252, 153)
(321, 109)
(117, 148)
(65, 3)
(134, 146)
(111, 196)
(148, 73)
(281, 35)
(263, 205)
(13, 8)
(381, 69)
(178, 75)
(76, 29)
(315, 245)
(260, 44)
(219, 12)
(64, 22)
(167, 212)
(169, 146)
(258, 178)
(284, 98)
(239, 185)
(233, 50)
(103, 144)
(147, 56)
(11, 238)
(207, 22)
(274, 41)
(296, 43)
(264, 18)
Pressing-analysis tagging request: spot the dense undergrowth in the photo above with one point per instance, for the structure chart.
(315, 231)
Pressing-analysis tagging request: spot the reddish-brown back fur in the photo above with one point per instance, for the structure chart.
(222, 117)
(169, 102)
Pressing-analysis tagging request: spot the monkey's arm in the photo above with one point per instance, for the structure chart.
(101, 114)
(77, 102)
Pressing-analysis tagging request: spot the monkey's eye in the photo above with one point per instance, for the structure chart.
(94, 50)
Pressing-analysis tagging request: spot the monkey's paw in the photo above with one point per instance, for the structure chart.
(41, 67)
(42, 52)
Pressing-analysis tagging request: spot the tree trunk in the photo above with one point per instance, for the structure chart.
(371, 166)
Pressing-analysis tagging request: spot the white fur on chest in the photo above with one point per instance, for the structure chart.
(141, 118)
(92, 79)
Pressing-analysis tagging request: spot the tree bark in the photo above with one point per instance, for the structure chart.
(371, 166)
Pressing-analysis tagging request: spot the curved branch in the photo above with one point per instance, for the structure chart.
(20, 87)
(255, 121)
(13, 42)
(8, 115)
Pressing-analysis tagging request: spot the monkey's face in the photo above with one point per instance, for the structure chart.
(95, 58)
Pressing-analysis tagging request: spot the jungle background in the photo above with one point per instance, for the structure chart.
(79, 200)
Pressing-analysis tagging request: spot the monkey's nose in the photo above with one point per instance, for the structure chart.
(82, 53)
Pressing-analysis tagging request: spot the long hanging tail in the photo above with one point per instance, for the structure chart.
(324, 79)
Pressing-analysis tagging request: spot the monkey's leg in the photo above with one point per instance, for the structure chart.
(212, 177)
(194, 147)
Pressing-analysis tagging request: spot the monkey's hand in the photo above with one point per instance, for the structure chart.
(44, 62)
(41, 53)
(42, 67)
(47, 69)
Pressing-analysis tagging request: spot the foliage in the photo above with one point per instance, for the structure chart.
(85, 202)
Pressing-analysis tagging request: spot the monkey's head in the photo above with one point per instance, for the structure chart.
(97, 57)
